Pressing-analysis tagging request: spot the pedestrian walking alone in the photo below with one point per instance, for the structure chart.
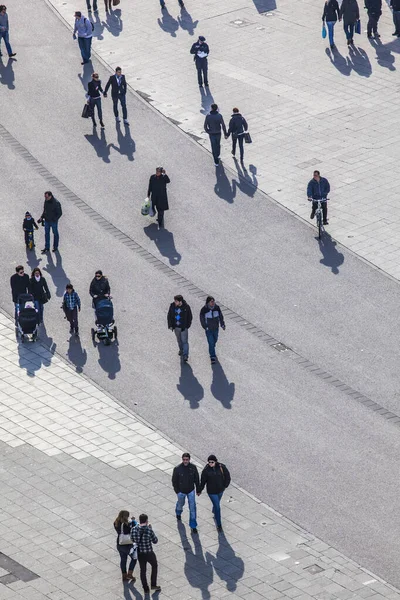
(28, 225)
(84, 29)
(40, 291)
(374, 10)
(330, 16)
(213, 124)
(93, 97)
(201, 51)
(123, 526)
(211, 318)
(318, 189)
(186, 483)
(237, 128)
(157, 193)
(395, 6)
(51, 214)
(71, 305)
(118, 94)
(19, 283)
(350, 13)
(179, 320)
(4, 31)
(144, 537)
(215, 477)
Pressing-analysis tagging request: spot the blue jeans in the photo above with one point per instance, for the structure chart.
(216, 502)
(85, 45)
(4, 36)
(215, 139)
(54, 226)
(349, 30)
(192, 506)
(40, 308)
(212, 338)
(124, 556)
(330, 25)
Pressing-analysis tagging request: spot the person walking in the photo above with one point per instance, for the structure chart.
(123, 526)
(71, 305)
(395, 6)
(237, 128)
(350, 13)
(201, 51)
(215, 477)
(211, 318)
(89, 6)
(318, 189)
(99, 286)
(40, 291)
(51, 214)
(213, 124)
(374, 10)
(19, 283)
(330, 16)
(28, 225)
(84, 29)
(144, 537)
(118, 93)
(4, 31)
(157, 193)
(93, 97)
(186, 483)
(179, 320)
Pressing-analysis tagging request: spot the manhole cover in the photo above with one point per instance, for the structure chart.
(240, 23)
(314, 569)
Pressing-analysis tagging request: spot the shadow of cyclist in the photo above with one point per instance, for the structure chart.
(331, 257)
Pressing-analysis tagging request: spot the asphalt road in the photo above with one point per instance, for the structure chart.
(293, 440)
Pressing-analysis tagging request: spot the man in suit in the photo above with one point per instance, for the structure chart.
(117, 83)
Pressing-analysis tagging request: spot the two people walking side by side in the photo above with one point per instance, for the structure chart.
(93, 97)
(330, 16)
(179, 319)
(215, 477)
(186, 484)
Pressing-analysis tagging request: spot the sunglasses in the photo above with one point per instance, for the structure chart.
(211, 462)
(97, 276)
(21, 271)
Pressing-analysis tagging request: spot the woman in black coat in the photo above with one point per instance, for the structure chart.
(99, 286)
(157, 192)
(350, 13)
(330, 15)
(40, 291)
(93, 97)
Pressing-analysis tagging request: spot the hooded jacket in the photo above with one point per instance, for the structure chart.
(4, 23)
(185, 479)
(213, 123)
(83, 27)
(185, 316)
(52, 210)
(331, 11)
(216, 479)
(99, 287)
(211, 318)
(349, 11)
(237, 125)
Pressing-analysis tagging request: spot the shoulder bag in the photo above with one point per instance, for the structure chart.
(124, 538)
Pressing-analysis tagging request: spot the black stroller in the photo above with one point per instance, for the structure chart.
(27, 318)
(106, 330)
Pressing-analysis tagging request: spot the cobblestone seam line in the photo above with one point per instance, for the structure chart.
(184, 283)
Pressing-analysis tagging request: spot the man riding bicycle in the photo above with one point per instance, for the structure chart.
(318, 189)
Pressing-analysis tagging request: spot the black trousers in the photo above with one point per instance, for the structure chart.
(372, 27)
(202, 71)
(240, 139)
(160, 215)
(27, 236)
(144, 558)
(324, 206)
(72, 318)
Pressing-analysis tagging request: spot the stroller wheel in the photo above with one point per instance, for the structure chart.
(22, 339)
(115, 332)
(107, 341)
(93, 334)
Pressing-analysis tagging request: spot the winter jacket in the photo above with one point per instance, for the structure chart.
(94, 89)
(213, 123)
(52, 210)
(99, 287)
(4, 23)
(83, 28)
(349, 11)
(185, 478)
(331, 11)
(29, 224)
(39, 289)
(216, 479)
(237, 125)
(374, 7)
(211, 318)
(318, 189)
(395, 5)
(185, 316)
(197, 49)
(19, 285)
(158, 191)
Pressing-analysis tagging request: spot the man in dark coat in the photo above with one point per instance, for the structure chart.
(216, 477)
(201, 51)
(186, 482)
(179, 320)
(395, 6)
(157, 193)
(237, 128)
(52, 212)
(213, 124)
(350, 13)
(318, 189)
(374, 9)
(19, 285)
(118, 92)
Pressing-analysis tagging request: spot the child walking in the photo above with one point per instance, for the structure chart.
(28, 225)
(71, 305)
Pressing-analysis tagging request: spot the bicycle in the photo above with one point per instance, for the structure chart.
(29, 240)
(319, 216)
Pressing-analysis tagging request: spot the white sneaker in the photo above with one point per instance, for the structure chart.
(118, 120)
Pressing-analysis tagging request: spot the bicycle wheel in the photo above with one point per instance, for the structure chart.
(320, 227)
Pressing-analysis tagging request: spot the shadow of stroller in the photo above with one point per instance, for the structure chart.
(186, 22)
(223, 187)
(189, 386)
(99, 144)
(56, 272)
(109, 359)
(384, 56)
(168, 23)
(206, 100)
(34, 355)
(7, 75)
(221, 389)
(228, 566)
(76, 354)
(113, 23)
(332, 258)
(127, 145)
(164, 240)
(198, 569)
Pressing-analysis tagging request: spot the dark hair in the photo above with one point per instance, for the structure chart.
(69, 286)
(99, 272)
(118, 69)
(143, 518)
(49, 194)
(35, 270)
(78, 13)
(316, 173)
(235, 110)
(179, 298)
(186, 455)
(3, 7)
(17, 269)
(209, 298)
(214, 106)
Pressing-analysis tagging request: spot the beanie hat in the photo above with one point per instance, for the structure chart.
(212, 457)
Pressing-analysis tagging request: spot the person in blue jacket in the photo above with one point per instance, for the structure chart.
(318, 189)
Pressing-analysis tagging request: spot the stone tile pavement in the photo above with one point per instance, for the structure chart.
(307, 108)
(71, 457)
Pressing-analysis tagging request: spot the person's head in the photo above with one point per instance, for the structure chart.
(316, 175)
(48, 195)
(235, 111)
(202, 39)
(95, 76)
(210, 301)
(123, 517)
(178, 300)
(159, 171)
(78, 14)
(69, 288)
(28, 215)
(214, 107)
(212, 460)
(3, 8)
(186, 458)
(36, 273)
(143, 519)
(20, 270)
(98, 274)
(118, 71)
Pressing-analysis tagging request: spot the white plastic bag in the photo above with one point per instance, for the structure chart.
(146, 207)
(151, 211)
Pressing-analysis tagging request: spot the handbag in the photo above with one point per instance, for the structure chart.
(323, 31)
(247, 138)
(146, 207)
(124, 538)
(86, 112)
(116, 2)
(357, 28)
(134, 552)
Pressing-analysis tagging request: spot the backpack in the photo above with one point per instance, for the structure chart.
(91, 22)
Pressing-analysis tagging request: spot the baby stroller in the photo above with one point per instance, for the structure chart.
(27, 318)
(106, 329)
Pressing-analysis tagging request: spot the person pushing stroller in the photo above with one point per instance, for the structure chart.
(99, 287)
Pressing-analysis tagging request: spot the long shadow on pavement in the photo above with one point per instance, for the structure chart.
(223, 187)
(7, 76)
(99, 144)
(130, 591)
(247, 184)
(228, 566)
(32, 259)
(127, 146)
(331, 257)
(86, 75)
(76, 354)
(360, 61)
(189, 386)
(98, 28)
(113, 23)
(56, 272)
(206, 100)
(198, 569)
(221, 389)
(339, 62)
(168, 23)
(186, 22)
(384, 56)
(109, 359)
(32, 354)
(164, 240)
